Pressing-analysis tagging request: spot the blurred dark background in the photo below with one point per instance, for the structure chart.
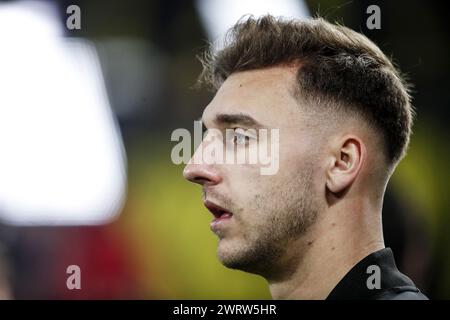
(159, 247)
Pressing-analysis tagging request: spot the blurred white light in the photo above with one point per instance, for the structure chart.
(61, 155)
(220, 15)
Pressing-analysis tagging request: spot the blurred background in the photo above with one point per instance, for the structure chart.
(86, 115)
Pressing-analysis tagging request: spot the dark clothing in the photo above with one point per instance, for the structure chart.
(361, 283)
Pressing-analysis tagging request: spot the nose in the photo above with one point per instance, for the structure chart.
(201, 173)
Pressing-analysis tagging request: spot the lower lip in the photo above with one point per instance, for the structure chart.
(218, 222)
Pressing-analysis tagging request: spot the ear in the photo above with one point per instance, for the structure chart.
(347, 158)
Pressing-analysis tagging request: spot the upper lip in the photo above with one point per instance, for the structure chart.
(215, 209)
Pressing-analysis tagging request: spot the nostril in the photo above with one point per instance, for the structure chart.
(200, 180)
(201, 174)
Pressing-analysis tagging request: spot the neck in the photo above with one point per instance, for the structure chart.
(315, 263)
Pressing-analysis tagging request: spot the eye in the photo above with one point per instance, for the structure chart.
(239, 137)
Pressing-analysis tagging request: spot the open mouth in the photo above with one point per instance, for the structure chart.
(218, 212)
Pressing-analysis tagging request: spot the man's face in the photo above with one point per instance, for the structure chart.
(257, 216)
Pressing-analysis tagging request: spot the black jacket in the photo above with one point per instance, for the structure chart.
(359, 283)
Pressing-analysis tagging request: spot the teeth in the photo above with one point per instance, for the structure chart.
(226, 215)
(217, 211)
(220, 213)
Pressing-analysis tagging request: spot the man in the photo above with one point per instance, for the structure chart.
(313, 229)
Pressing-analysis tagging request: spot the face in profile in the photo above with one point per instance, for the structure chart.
(256, 217)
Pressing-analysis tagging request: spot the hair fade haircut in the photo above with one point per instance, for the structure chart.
(335, 64)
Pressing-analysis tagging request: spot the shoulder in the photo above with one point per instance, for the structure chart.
(402, 294)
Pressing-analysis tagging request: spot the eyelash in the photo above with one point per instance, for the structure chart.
(234, 135)
(238, 134)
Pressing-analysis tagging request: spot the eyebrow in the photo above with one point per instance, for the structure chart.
(243, 119)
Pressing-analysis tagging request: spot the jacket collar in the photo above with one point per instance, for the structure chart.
(354, 285)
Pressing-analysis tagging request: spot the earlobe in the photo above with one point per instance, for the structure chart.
(345, 164)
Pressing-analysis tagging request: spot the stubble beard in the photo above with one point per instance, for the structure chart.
(284, 215)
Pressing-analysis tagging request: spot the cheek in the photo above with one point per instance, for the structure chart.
(257, 194)
(297, 151)
(247, 187)
(299, 161)
(240, 177)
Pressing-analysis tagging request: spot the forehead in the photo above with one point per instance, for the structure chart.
(264, 94)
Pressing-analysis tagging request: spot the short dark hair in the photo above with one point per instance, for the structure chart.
(335, 62)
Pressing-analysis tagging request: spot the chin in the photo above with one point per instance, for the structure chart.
(235, 255)
(229, 253)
